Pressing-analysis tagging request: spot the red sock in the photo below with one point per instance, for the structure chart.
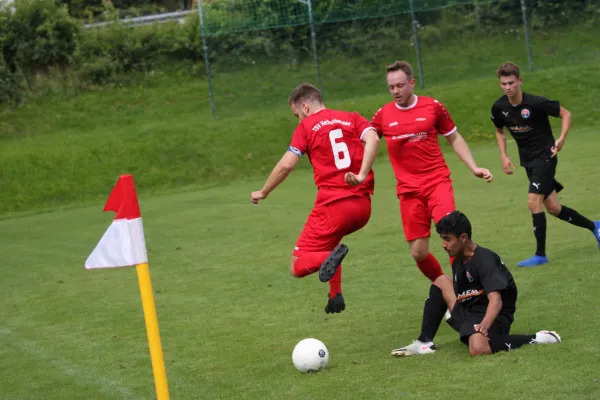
(335, 283)
(430, 267)
(309, 262)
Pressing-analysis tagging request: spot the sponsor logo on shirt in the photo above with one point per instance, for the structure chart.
(326, 122)
(411, 136)
(468, 294)
(519, 128)
(393, 123)
(421, 119)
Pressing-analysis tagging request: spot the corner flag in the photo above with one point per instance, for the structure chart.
(123, 245)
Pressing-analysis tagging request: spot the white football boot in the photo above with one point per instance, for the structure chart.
(546, 337)
(416, 348)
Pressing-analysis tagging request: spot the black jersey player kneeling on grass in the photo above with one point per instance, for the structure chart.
(483, 302)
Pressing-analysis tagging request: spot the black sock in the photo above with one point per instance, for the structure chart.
(509, 342)
(539, 230)
(573, 217)
(433, 313)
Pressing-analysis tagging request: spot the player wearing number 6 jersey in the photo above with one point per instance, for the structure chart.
(411, 126)
(341, 147)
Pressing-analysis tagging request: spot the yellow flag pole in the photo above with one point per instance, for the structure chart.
(156, 353)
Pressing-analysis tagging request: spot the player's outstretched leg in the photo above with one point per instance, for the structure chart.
(330, 264)
(512, 342)
(335, 304)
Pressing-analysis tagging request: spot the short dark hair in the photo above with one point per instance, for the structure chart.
(403, 66)
(455, 223)
(305, 92)
(509, 69)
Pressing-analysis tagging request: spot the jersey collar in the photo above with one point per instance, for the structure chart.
(408, 107)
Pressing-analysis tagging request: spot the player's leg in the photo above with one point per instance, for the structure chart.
(417, 229)
(500, 338)
(433, 314)
(346, 216)
(539, 187)
(440, 202)
(314, 246)
(569, 215)
(309, 252)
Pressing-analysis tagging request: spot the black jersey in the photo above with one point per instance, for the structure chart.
(528, 124)
(482, 274)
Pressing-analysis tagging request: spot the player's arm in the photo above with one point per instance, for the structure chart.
(491, 313)
(371, 140)
(280, 172)
(507, 164)
(461, 148)
(565, 117)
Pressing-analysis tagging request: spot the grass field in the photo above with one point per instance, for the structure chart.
(230, 314)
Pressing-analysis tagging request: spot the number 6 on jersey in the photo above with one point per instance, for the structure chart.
(339, 148)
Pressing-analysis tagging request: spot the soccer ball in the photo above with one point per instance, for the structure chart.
(310, 355)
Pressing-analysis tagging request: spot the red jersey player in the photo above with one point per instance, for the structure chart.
(341, 147)
(411, 125)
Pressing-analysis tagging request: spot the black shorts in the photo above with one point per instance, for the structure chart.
(541, 174)
(463, 321)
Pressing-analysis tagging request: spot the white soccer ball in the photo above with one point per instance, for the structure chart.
(310, 355)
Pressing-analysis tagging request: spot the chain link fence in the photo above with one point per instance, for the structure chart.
(444, 39)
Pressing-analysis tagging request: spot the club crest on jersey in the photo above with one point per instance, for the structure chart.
(469, 277)
(525, 113)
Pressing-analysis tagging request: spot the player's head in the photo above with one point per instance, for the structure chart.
(510, 78)
(455, 231)
(401, 82)
(305, 100)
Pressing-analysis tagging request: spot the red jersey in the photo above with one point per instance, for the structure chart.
(411, 134)
(332, 141)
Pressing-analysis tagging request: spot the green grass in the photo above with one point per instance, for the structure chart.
(60, 150)
(230, 314)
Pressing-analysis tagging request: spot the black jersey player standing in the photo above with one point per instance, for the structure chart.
(526, 118)
(483, 302)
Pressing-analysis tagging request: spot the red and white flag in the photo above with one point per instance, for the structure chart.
(123, 243)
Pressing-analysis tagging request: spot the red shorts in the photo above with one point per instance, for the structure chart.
(418, 209)
(328, 224)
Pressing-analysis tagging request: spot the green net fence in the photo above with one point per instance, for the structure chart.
(343, 46)
(235, 16)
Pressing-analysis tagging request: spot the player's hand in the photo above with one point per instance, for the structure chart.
(256, 196)
(558, 145)
(353, 179)
(507, 166)
(481, 328)
(484, 174)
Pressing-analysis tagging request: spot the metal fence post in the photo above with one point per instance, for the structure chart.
(206, 60)
(313, 39)
(417, 45)
(525, 27)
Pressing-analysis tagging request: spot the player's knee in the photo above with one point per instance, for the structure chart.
(292, 269)
(419, 254)
(535, 204)
(553, 209)
(479, 345)
(479, 350)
